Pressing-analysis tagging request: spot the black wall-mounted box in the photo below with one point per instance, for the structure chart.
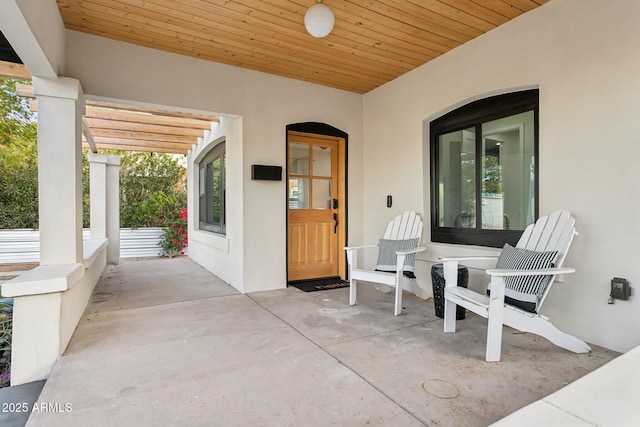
(266, 173)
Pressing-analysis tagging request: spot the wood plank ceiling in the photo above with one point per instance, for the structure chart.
(373, 41)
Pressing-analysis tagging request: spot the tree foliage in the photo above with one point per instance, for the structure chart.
(18, 160)
(492, 179)
(152, 189)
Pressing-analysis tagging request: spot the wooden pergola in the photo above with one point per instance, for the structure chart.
(111, 126)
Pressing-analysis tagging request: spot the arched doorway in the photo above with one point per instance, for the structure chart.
(316, 201)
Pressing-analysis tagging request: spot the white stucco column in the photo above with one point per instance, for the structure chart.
(60, 109)
(104, 175)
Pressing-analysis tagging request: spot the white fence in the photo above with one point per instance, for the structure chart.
(18, 246)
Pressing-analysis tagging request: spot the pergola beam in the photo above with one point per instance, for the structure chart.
(96, 112)
(144, 137)
(96, 124)
(142, 143)
(14, 71)
(86, 131)
(142, 148)
(131, 128)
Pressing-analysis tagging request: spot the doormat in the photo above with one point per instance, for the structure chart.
(319, 284)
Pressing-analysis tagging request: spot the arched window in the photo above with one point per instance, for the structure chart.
(484, 170)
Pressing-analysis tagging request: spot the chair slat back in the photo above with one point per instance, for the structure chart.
(408, 225)
(549, 233)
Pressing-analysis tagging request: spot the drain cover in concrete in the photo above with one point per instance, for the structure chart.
(441, 389)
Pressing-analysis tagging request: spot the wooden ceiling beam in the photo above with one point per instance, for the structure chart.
(137, 142)
(154, 111)
(95, 112)
(96, 124)
(27, 92)
(151, 149)
(14, 71)
(144, 136)
(24, 90)
(88, 136)
(119, 127)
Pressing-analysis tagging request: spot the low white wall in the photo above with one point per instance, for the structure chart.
(74, 301)
(18, 246)
(48, 303)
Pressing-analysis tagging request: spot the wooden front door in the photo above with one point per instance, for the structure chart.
(316, 206)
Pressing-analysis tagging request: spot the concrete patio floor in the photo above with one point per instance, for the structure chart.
(164, 342)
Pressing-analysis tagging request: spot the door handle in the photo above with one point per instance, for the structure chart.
(335, 227)
(334, 203)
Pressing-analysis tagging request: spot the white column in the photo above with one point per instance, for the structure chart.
(98, 195)
(60, 109)
(104, 175)
(113, 209)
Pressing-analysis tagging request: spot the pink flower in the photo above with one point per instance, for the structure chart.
(183, 213)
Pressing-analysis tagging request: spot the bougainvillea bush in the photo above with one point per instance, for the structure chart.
(174, 236)
(6, 316)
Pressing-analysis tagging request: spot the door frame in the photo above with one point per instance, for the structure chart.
(323, 129)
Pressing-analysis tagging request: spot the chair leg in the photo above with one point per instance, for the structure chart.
(495, 320)
(400, 258)
(398, 305)
(451, 279)
(352, 291)
(494, 338)
(449, 316)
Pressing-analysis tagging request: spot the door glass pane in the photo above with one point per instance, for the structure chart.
(298, 193)
(508, 197)
(321, 161)
(298, 159)
(457, 179)
(321, 194)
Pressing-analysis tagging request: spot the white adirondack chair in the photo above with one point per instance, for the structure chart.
(550, 233)
(403, 227)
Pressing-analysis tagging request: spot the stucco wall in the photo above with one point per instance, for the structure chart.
(585, 60)
(220, 254)
(265, 103)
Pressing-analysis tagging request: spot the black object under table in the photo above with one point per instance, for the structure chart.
(437, 280)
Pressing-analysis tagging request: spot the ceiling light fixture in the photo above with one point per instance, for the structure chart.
(319, 20)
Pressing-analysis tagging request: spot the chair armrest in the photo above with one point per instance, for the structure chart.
(401, 257)
(501, 272)
(352, 254)
(411, 251)
(451, 267)
(353, 248)
(469, 258)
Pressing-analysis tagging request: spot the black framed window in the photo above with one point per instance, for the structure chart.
(484, 170)
(212, 191)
